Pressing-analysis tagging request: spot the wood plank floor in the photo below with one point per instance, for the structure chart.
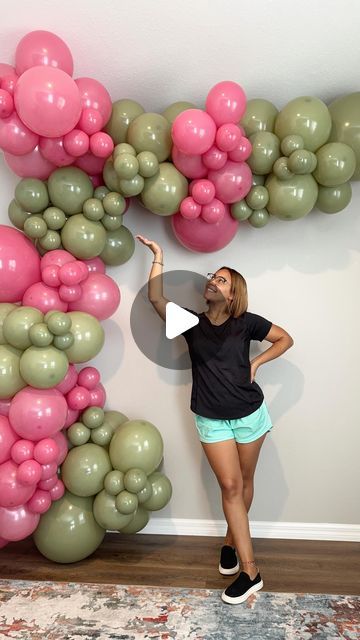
(191, 561)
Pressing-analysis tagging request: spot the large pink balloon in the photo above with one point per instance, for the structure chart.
(37, 413)
(12, 491)
(44, 298)
(93, 95)
(17, 523)
(30, 165)
(15, 137)
(226, 102)
(193, 131)
(100, 296)
(95, 265)
(198, 235)
(62, 443)
(47, 101)
(233, 182)
(19, 264)
(190, 166)
(8, 437)
(43, 48)
(6, 70)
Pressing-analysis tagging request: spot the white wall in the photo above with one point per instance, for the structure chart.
(302, 275)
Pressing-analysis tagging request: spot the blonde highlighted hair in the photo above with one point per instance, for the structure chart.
(239, 303)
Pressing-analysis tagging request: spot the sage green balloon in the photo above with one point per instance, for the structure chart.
(119, 246)
(68, 531)
(345, 114)
(123, 113)
(5, 308)
(32, 195)
(78, 434)
(240, 210)
(114, 204)
(259, 218)
(69, 187)
(88, 337)
(121, 148)
(93, 417)
(110, 176)
(173, 110)
(133, 187)
(265, 150)
(145, 493)
(307, 117)
(336, 163)
(281, 168)
(18, 215)
(334, 199)
(64, 342)
(139, 521)
(260, 115)
(107, 515)
(111, 223)
(302, 162)
(257, 197)
(84, 469)
(126, 166)
(115, 419)
(17, 324)
(100, 192)
(136, 443)
(148, 164)
(84, 238)
(43, 367)
(93, 209)
(293, 198)
(161, 492)
(151, 132)
(135, 480)
(102, 435)
(258, 181)
(126, 502)
(291, 143)
(114, 482)
(55, 218)
(59, 323)
(50, 241)
(10, 379)
(35, 227)
(40, 335)
(163, 193)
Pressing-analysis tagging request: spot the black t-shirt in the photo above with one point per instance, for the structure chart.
(221, 367)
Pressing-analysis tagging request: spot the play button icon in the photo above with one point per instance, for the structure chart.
(178, 320)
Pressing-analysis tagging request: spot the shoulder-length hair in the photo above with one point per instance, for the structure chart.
(239, 303)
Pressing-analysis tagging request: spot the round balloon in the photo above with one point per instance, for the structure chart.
(345, 115)
(259, 115)
(163, 193)
(10, 381)
(43, 48)
(17, 523)
(199, 235)
(84, 238)
(308, 117)
(37, 413)
(84, 469)
(291, 199)
(161, 491)
(69, 187)
(106, 513)
(136, 443)
(19, 264)
(150, 132)
(88, 337)
(119, 246)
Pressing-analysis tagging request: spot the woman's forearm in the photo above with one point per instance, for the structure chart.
(155, 284)
(277, 349)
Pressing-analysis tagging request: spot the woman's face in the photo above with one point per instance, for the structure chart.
(218, 288)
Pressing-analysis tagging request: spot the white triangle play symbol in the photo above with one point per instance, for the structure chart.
(177, 320)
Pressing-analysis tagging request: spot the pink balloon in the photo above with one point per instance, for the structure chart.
(213, 212)
(71, 417)
(30, 165)
(214, 158)
(19, 264)
(50, 275)
(78, 398)
(70, 294)
(49, 469)
(90, 164)
(190, 166)
(243, 150)
(73, 272)
(46, 451)
(198, 235)
(97, 181)
(22, 450)
(90, 121)
(190, 209)
(95, 265)
(57, 490)
(6, 104)
(8, 438)
(76, 143)
(3, 543)
(97, 396)
(44, 298)
(233, 182)
(43, 48)
(29, 473)
(226, 102)
(57, 257)
(94, 96)
(100, 296)
(15, 137)
(12, 492)
(193, 131)
(48, 484)
(101, 144)
(37, 413)
(4, 407)
(8, 83)
(18, 522)
(53, 150)
(69, 381)
(203, 191)
(228, 136)
(89, 377)
(5, 70)
(62, 444)
(47, 101)
(40, 502)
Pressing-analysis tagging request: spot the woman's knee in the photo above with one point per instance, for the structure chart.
(231, 487)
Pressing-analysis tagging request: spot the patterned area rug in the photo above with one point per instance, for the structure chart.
(72, 611)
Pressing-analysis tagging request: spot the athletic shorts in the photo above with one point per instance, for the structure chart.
(243, 430)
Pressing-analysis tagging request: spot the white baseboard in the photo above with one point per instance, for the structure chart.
(285, 530)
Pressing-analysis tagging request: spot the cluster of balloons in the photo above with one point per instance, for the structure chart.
(48, 119)
(111, 483)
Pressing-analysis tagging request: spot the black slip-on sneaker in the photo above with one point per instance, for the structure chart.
(228, 564)
(242, 588)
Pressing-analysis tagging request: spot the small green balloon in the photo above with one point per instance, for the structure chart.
(78, 434)
(240, 210)
(265, 151)
(336, 163)
(55, 218)
(291, 199)
(64, 342)
(110, 176)
(107, 514)
(163, 193)
(291, 143)
(126, 166)
(114, 204)
(260, 115)
(84, 238)
(145, 493)
(281, 169)
(88, 337)
(18, 215)
(40, 335)
(123, 113)
(111, 223)
(5, 308)
(119, 246)
(334, 199)
(138, 521)
(84, 469)
(17, 324)
(135, 480)
(43, 367)
(151, 132)
(35, 227)
(93, 417)
(307, 117)
(114, 482)
(258, 181)
(136, 444)
(173, 110)
(59, 323)
(32, 195)
(345, 114)
(302, 162)
(148, 164)
(69, 187)
(102, 435)
(161, 491)
(100, 192)
(133, 187)
(50, 241)
(10, 379)
(121, 148)
(259, 218)
(126, 502)
(93, 209)
(257, 197)
(115, 418)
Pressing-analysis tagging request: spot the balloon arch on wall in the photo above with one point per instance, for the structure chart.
(69, 469)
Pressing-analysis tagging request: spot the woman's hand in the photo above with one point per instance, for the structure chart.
(153, 246)
(253, 369)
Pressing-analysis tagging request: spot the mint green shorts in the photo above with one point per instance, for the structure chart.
(241, 430)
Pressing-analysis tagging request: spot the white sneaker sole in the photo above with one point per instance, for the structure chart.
(245, 595)
(228, 572)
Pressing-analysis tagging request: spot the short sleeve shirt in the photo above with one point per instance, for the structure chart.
(220, 361)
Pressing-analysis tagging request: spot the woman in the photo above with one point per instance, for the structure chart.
(230, 413)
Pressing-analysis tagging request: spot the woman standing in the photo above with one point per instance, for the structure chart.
(230, 412)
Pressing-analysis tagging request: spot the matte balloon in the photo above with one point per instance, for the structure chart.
(84, 238)
(307, 117)
(265, 151)
(336, 163)
(198, 235)
(8, 439)
(68, 532)
(32, 195)
(19, 264)
(43, 48)
(161, 492)
(346, 124)
(15, 137)
(12, 492)
(293, 198)
(69, 187)
(150, 132)
(259, 115)
(136, 443)
(173, 110)
(334, 199)
(122, 114)
(119, 246)
(106, 513)
(85, 468)
(138, 521)
(17, 523)
(88, 337)
(11, 381)
(32, 164)
(17, 324)
(37, 413)
(163, 193)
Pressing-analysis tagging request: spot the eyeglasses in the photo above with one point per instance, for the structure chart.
(217, 279)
